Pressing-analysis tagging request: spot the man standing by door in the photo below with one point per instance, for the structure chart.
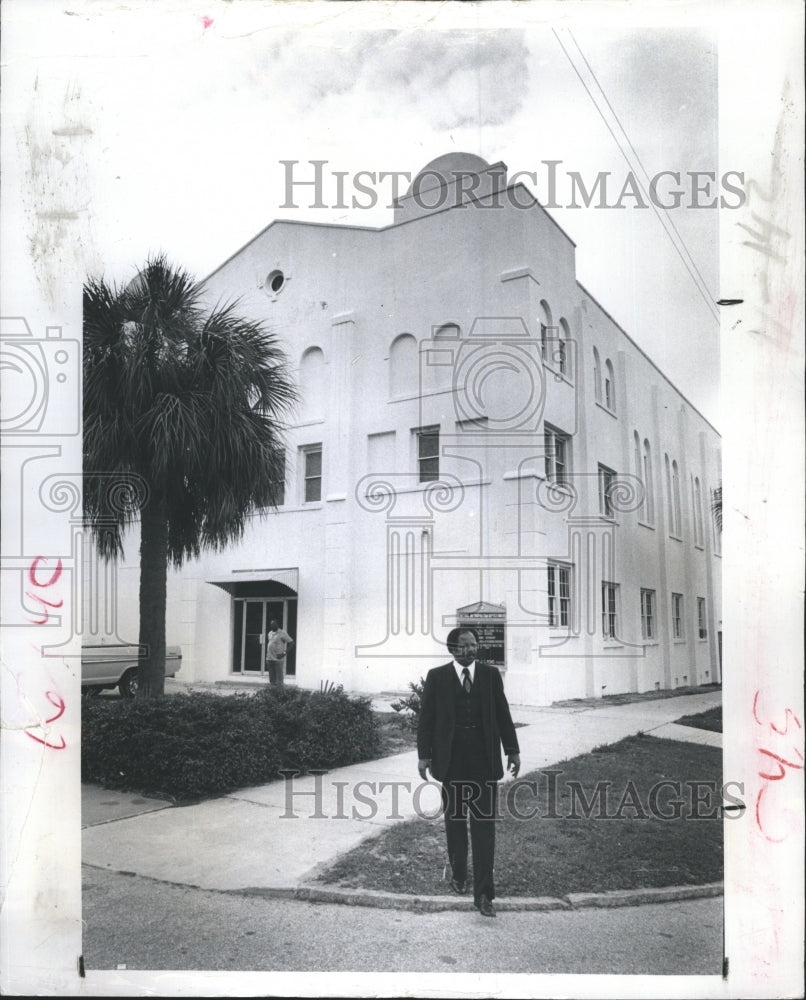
(276, 648)
(464, 720)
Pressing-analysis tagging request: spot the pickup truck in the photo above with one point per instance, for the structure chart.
(110, 665)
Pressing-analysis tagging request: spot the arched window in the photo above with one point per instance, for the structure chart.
(545, 329)
(669, 503)
(403, 366)
(597, 376)
(610, 386)
(649, 498)
(563, 349)
(676, 498)
(698, 520)
(312, 383)
(639, 471)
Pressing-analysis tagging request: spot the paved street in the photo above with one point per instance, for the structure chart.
(169, 888)
(143, 924)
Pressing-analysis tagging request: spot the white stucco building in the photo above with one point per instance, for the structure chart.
(476, 433)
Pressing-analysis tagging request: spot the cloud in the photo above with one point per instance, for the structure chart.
(449, 79)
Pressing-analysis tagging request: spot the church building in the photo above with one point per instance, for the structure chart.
(478, 441)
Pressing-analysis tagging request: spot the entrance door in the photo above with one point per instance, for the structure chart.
(251, 619)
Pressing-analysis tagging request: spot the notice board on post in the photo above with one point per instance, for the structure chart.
(489, 622)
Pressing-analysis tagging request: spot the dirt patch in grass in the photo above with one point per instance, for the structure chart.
(710, 720)
(396, 735)
(627, 698)
(623, 844)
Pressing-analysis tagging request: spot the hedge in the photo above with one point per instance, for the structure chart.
(189, 746)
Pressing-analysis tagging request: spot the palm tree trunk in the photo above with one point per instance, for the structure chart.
(153, 593)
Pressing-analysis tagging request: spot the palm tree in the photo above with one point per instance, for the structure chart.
(190, 402)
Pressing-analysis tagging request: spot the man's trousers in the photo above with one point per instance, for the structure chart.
(466, 795)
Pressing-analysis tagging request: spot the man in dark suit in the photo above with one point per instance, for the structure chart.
(464, 720)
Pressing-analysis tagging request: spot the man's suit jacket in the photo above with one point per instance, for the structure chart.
(435, 727)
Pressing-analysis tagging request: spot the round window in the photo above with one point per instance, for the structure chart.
(275, 282)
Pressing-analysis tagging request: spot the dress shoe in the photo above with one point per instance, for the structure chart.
(485, 906)
(459, 885)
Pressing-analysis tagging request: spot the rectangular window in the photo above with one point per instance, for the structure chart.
(559, 593)
(609, 610)
(544, 341)
(562, 357)
(702, 630)
(556, 444)
(607, 479)
(609, 393)
(648, 614)
(313, 473)
(279, 483)
(428, 454)
(677, 616)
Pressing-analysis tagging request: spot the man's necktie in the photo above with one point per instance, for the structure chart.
(466, 680)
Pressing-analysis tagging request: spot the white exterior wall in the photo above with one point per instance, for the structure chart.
(350, 292)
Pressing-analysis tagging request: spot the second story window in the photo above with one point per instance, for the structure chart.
(607, 479)
(556, 444)
(648, 614)
(677, 616)
(279, 483)
(702, 627)
(559, 594)
(609, 609)
(428, 454)
(313, 473)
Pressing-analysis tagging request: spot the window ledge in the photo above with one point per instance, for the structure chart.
(675, 538)
(308, 423)
(523, 474)
(651, 642)
(700, 547)
(422, 487)
(613, 644)
(679, 642)
(420, 395)
(646, 524)
(607, 409)
(558, 375)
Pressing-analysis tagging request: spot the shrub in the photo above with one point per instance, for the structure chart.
(188, 746)
(411, 703)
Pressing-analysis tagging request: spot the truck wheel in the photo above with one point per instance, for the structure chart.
(128, 683)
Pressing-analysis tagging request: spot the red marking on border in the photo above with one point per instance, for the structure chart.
(783, 762)
(206, 21)
(33, 568)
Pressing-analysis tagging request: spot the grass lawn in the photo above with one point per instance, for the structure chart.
(628, 697)
(397, 736)
(710, 720)
(551, 857)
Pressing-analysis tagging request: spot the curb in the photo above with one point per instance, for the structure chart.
(439, 904)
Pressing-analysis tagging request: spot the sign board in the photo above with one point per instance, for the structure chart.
(489, 623)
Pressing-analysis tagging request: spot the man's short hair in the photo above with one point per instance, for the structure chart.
(453, 636)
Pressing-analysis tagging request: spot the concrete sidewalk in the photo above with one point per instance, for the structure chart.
(276, 836)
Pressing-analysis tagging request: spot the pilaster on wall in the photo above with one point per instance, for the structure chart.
(338, 484)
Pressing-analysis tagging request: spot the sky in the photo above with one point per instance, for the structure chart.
(164, 128)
